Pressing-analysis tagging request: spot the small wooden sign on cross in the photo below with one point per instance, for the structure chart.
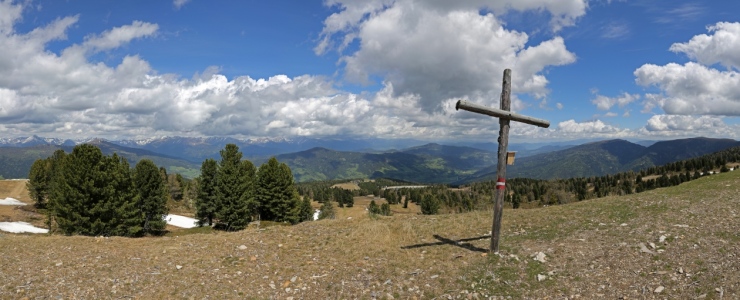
(504, 115)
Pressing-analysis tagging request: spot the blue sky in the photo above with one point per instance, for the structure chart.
(368, 68)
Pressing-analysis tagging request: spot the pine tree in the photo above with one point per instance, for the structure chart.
(326, 211)
(429, 205)
(206, 203)
(306, 210)
(122, 201)
(151, 196)
(55, 176)
(174, 186)
(94, 194)
(233, 183)
(276, 194)
(249, 179)
(78, 186)
(38, 182)
(373, 208)
(385, 209)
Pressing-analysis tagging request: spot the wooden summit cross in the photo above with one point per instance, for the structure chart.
(504, 115)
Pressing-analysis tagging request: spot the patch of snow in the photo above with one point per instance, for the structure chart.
(180, 221)
(316, 214)
(19, 227)
(11, 201)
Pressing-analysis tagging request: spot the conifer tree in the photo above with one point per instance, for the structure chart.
(233, 183)
(206, 203)
(78, 188)
(152, 197)
(306, 210)
(385, 209)
(38, 182)
(373, 208)
(122, 199)
(429, 205)
(94, 194)
(276, 194)
(326, 211)
(56, 162)
(249, 179)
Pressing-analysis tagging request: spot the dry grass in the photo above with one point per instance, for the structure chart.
(347, 186)
(592, 251)
(16, 189)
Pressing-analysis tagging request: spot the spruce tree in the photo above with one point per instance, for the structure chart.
(233, 183)
(94, 194)
(79, 188)
(306, 210)
(249, 179)
(206, 203)
(429, 205)
(38, 182)
(373, 208)
(385, 209)
(152, 197)
(349, 199)
(55, 176)
(276, 195)
(127, 220)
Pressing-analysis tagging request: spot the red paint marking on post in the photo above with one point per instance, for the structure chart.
(500, 184)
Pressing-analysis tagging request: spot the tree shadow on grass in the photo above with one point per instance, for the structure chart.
(459, 243)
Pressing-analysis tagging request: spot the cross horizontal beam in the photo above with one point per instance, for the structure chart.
(499, 113)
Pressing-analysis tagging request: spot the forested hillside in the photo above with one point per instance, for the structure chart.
(605, 157)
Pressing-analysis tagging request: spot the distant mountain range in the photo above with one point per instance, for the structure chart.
(15, 162)
(431, 163)
(320, 159)
(605, 157)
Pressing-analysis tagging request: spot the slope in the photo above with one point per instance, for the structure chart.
(463, 158)
(605, 157)
(15, 162)
(431, 163)
(323, 164)
(592, 249)
(665, 152)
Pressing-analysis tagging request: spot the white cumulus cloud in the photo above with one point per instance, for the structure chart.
(596, 126)
(441, 50)
(696, 88)
(426, 57)
(606, 103)
(721, 47)
(693, 89)
(686, 126)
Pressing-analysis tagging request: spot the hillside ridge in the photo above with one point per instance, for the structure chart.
(679, 242)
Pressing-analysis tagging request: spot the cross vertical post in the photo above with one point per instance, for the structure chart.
(505, 116)
(503, 143)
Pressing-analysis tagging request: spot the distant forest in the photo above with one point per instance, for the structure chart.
(527, 193)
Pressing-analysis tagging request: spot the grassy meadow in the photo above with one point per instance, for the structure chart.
(677, 243)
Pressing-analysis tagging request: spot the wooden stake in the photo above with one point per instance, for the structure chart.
(503, 143)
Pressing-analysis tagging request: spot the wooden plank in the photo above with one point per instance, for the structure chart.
(500, 113)
(503, 143)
